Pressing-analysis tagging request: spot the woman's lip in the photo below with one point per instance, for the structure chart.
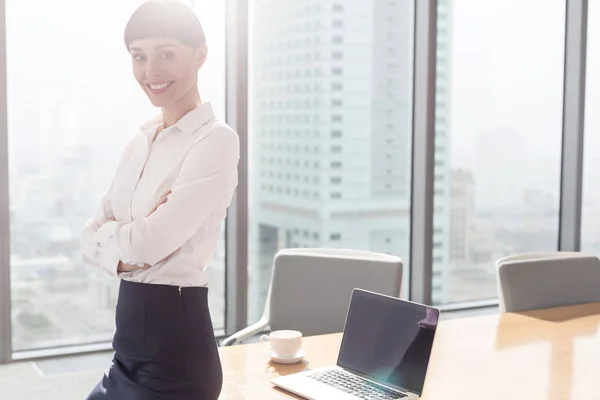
(158, 88)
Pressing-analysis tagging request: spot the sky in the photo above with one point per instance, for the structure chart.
(506, 108)
(507, 84)
(507, 72)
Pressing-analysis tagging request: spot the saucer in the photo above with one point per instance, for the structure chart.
(288, 360)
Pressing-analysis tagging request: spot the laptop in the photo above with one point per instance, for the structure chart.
(384, 354)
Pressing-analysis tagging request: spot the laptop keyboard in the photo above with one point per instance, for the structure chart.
(355, 386)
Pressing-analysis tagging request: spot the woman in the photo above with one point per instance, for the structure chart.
(158, 224)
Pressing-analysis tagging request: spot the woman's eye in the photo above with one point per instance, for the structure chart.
(166, 55)
(139, 57)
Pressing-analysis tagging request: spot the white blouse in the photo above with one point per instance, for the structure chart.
(197, 160)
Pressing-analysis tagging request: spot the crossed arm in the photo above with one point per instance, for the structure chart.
(207, 176)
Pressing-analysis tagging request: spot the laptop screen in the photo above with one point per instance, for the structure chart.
(388, 340)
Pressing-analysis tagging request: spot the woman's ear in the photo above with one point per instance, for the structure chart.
(201, 54)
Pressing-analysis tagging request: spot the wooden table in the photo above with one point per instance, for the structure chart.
(548, 354)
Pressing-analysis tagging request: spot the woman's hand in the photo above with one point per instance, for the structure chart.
(163, 199)
(126, 267)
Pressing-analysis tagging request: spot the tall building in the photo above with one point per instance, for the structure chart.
(332, 135)
(441, 221)
(462, 219)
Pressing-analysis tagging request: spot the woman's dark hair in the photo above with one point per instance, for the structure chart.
(165, 19)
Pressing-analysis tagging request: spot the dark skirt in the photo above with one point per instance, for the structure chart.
(165, 348)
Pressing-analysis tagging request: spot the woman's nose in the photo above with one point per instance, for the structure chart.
(153, 69)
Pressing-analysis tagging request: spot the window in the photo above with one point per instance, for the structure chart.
(512, 209)
(63, 151)
(271, 214)
(590, 213)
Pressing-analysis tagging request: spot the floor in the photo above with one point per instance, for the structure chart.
(71, 378)
(24, 381)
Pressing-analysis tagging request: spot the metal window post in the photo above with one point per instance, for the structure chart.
(423, 155)
(5, 298)
(573, 126)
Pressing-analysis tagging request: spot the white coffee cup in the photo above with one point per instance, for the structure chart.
(283, 343)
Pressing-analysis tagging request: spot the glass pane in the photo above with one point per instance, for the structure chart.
(72, 106)
(330, 130)
(498, 143)
(590, 213)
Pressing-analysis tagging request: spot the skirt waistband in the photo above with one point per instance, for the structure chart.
(150, 288)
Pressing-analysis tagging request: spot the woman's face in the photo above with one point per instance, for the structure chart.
(165, 68)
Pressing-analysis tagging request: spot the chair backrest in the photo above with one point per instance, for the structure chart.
(311, 288)
(544, 280)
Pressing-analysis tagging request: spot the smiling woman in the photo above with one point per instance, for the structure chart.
(158, 225)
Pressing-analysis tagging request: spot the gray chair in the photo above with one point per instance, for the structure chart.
(544, 280)
(311, 288)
